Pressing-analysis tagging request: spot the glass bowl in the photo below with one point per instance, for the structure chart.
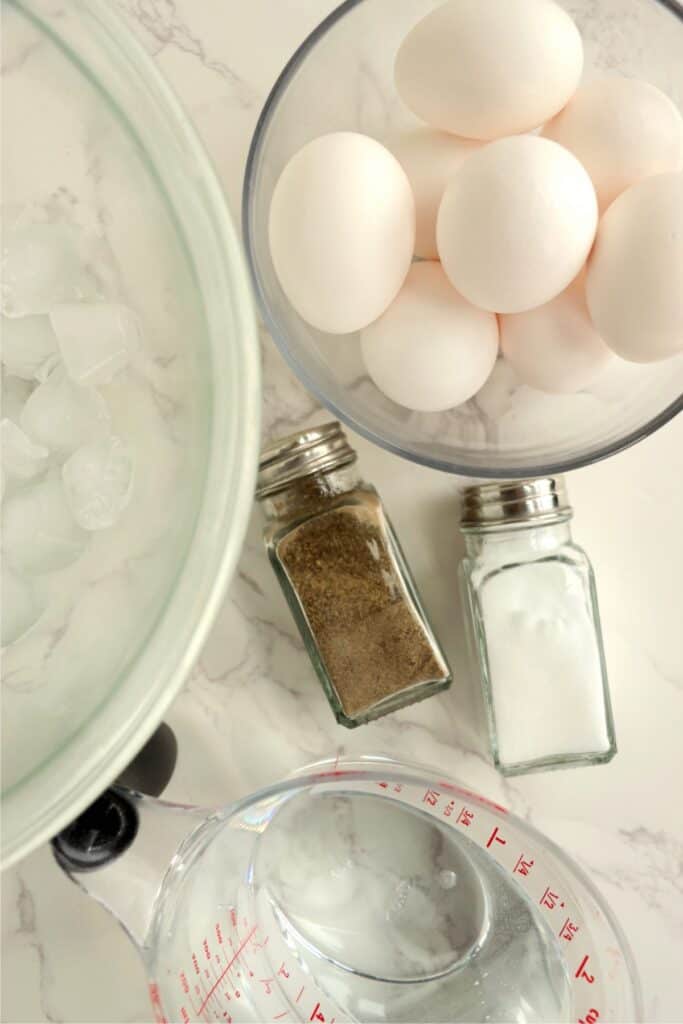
(98, 149)
(341, 78)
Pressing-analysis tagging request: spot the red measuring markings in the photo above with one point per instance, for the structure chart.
(225, 970)
(568, 930)
(318, 1015)
(590, 1018)
(301, 992)
(549, 899)
(583, 973)
(281, 1016)
(522, 867)
(267, 984)
(395, 789)
(216, 976)
(472, 796)
(431, 797)
(156, 1004)
(495, 838)
(282, 971)
(465, 817)
(448, 809)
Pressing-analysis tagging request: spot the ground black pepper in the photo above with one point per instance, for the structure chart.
(370, 637)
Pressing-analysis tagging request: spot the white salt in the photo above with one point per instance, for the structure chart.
(98, 483)
(544, 663)
(64, 415)
(39, 532)
(21, 458)
(96, 341)
(27, 343)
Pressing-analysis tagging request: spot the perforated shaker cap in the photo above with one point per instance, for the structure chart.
(515, 502)
(317, 450)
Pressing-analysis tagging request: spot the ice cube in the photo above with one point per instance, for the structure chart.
(21, 458)
(96, 341)
(15, 392)
(40, 267)
(39, 532)
(64, 415)
(50, 364)
(27, 343)
(98, 482)
(21, 606)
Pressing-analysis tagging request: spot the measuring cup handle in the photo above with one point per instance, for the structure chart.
(119, 849)
(102, 833)
(109, 825)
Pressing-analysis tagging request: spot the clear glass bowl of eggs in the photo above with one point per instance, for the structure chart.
(465, 226)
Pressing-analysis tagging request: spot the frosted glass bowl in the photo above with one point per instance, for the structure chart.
(341, 78)
(94, 139)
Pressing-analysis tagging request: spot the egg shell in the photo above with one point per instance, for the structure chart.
(431, 350)
(634, 280)
(430, 159)
(555, 347)
(622, 130)
(485, 68)
(342, 231)
(516, 224)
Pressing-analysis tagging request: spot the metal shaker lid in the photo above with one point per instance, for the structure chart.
(317, 450)
(515, 502)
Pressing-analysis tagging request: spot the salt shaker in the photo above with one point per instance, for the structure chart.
(530, 600)
(345, 578)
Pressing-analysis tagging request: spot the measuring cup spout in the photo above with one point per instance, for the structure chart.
(119, 850)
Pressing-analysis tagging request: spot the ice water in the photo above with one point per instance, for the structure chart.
(365, 908)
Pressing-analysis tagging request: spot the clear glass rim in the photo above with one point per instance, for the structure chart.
(461, 468)
(118, 727)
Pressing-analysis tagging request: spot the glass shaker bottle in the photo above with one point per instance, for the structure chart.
(530, 600)
(345, 578)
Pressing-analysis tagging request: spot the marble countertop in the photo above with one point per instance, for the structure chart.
(252, 710)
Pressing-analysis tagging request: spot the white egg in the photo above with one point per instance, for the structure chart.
(634, 281)
(622, 131)
(516, 224)
(431, 350)
(555, 347)
(485, 68)
(342, 231)
(430, 159)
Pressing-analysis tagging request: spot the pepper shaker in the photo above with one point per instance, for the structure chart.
(531, 604)
(345, 578)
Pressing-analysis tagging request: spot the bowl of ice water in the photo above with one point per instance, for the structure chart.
(130, 400)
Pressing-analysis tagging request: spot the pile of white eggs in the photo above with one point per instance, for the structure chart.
(532, 215)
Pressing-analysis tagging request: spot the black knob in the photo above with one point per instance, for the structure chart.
(153, 767)
(99, 835)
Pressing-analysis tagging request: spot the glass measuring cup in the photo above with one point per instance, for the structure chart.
(354, 891)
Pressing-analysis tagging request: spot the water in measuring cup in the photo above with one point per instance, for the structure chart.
(350, 906)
